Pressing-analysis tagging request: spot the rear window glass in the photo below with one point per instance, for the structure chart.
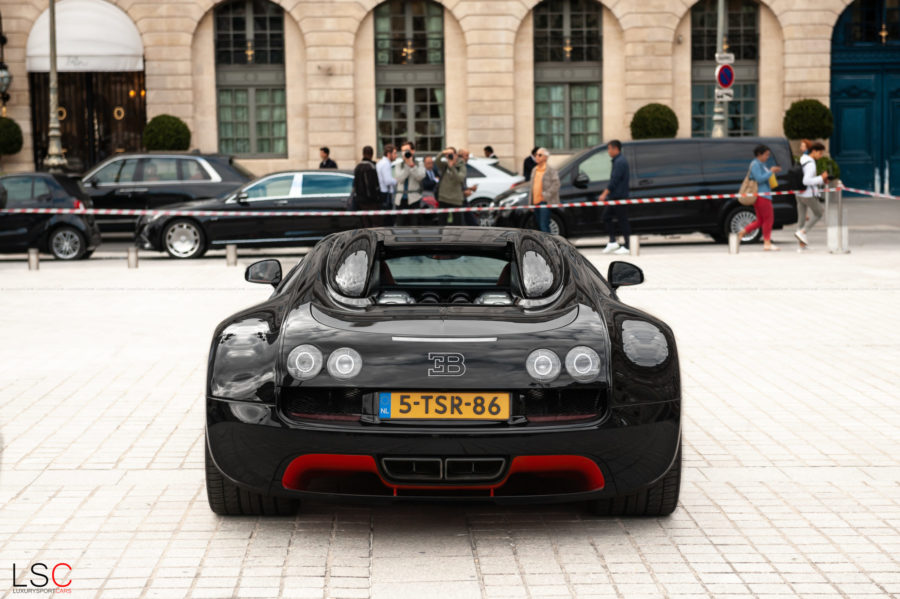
(446, 269)
(160, 169)
(316, 184)
(503, 169)
(472, 172)
(667, 160)
(727, 158)
(192, 171)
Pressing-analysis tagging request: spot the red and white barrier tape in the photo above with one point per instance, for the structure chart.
(419, 211)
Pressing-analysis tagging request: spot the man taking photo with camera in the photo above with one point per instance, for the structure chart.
(409, 177)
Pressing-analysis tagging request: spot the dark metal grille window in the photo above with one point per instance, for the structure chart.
(252, 107)
(409, 73)
(249, 32)
(742, 32)
(568, 50)
(575, 104)
(568, 31)
(409, 33)
(871, 22)
(415, 113)
(741, 114)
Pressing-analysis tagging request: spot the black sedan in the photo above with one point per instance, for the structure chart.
(189, 236)
(65, 236)
(142, 181)
(470, 364)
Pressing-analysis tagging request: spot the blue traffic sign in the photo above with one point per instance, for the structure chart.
(725, 75)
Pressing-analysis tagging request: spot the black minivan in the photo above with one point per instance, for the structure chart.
(662, 168)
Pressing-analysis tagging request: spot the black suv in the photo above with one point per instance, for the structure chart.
(661, 168)
(152, 180)
(66, 236)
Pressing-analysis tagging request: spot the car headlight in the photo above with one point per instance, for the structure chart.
(644, 344)
(582, 364)
(344, 363)
(543, 365)
(304, 362)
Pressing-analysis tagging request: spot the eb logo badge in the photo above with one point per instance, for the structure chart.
(446, 364)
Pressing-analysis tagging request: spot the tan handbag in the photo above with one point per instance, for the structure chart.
(749, 190)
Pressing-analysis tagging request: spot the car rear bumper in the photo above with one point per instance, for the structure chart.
(627, 450)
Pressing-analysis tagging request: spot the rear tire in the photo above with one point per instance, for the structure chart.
(227, 499)
(66, 243)
(659, 499)
(739, 218)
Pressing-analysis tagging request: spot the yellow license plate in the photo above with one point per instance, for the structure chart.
(449, 406)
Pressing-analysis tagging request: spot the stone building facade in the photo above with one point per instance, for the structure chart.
(489, 71)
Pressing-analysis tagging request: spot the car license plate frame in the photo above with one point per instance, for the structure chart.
(438, 405)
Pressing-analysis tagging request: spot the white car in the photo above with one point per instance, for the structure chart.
(491, 179)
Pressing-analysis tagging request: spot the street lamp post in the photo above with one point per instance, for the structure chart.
(55, 161)
(718, 129)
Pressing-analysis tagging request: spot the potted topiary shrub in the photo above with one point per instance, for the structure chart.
(166, 133)
(10, 137)
(808, 119)
(654, 121)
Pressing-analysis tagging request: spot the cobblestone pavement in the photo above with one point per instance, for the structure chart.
(792, 436)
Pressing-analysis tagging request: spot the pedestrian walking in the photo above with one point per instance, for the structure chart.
(386, 182)
(409, 176)
(366, 190)
(468, 218)
(489, 152)
(810, 198)
(453, 179)
(765, 214)
(529, 164)
(617, 189)
(325, 155)
(544, 189)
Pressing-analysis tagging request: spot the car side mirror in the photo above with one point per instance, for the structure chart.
(242, 197)
(265, 271)
(581, 181)
(623, 274)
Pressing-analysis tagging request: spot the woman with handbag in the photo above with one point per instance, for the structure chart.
(765, 214)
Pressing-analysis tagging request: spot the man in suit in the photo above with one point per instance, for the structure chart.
(327, 162)
(529, 164)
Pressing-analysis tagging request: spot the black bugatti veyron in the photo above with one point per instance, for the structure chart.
(454, 363)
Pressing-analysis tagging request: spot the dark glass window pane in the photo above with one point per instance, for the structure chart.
(409, 33)
(568, 31)
(249, 32)
(667, 160)
(742, 29)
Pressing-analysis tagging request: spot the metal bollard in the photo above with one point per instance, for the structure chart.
(34, 259)
(634, 244)
(132, 257)
(231, 254)
(734, 243)
(838, 231)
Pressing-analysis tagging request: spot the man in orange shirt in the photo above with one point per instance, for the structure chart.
(544, 189)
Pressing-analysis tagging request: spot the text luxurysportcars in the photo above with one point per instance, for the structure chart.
(457, 363)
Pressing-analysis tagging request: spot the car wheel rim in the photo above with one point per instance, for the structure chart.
(66, 244)
(182, 240)
(740, 221)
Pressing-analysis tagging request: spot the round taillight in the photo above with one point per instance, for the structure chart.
(304, 362)
(344, 363)
(582, 364)
(543, 365)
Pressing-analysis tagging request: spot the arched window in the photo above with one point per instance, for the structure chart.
(252, 107)
(742, 39)
(409, 73)
(568, 55)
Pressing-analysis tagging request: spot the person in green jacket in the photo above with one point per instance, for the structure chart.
(453, 178)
